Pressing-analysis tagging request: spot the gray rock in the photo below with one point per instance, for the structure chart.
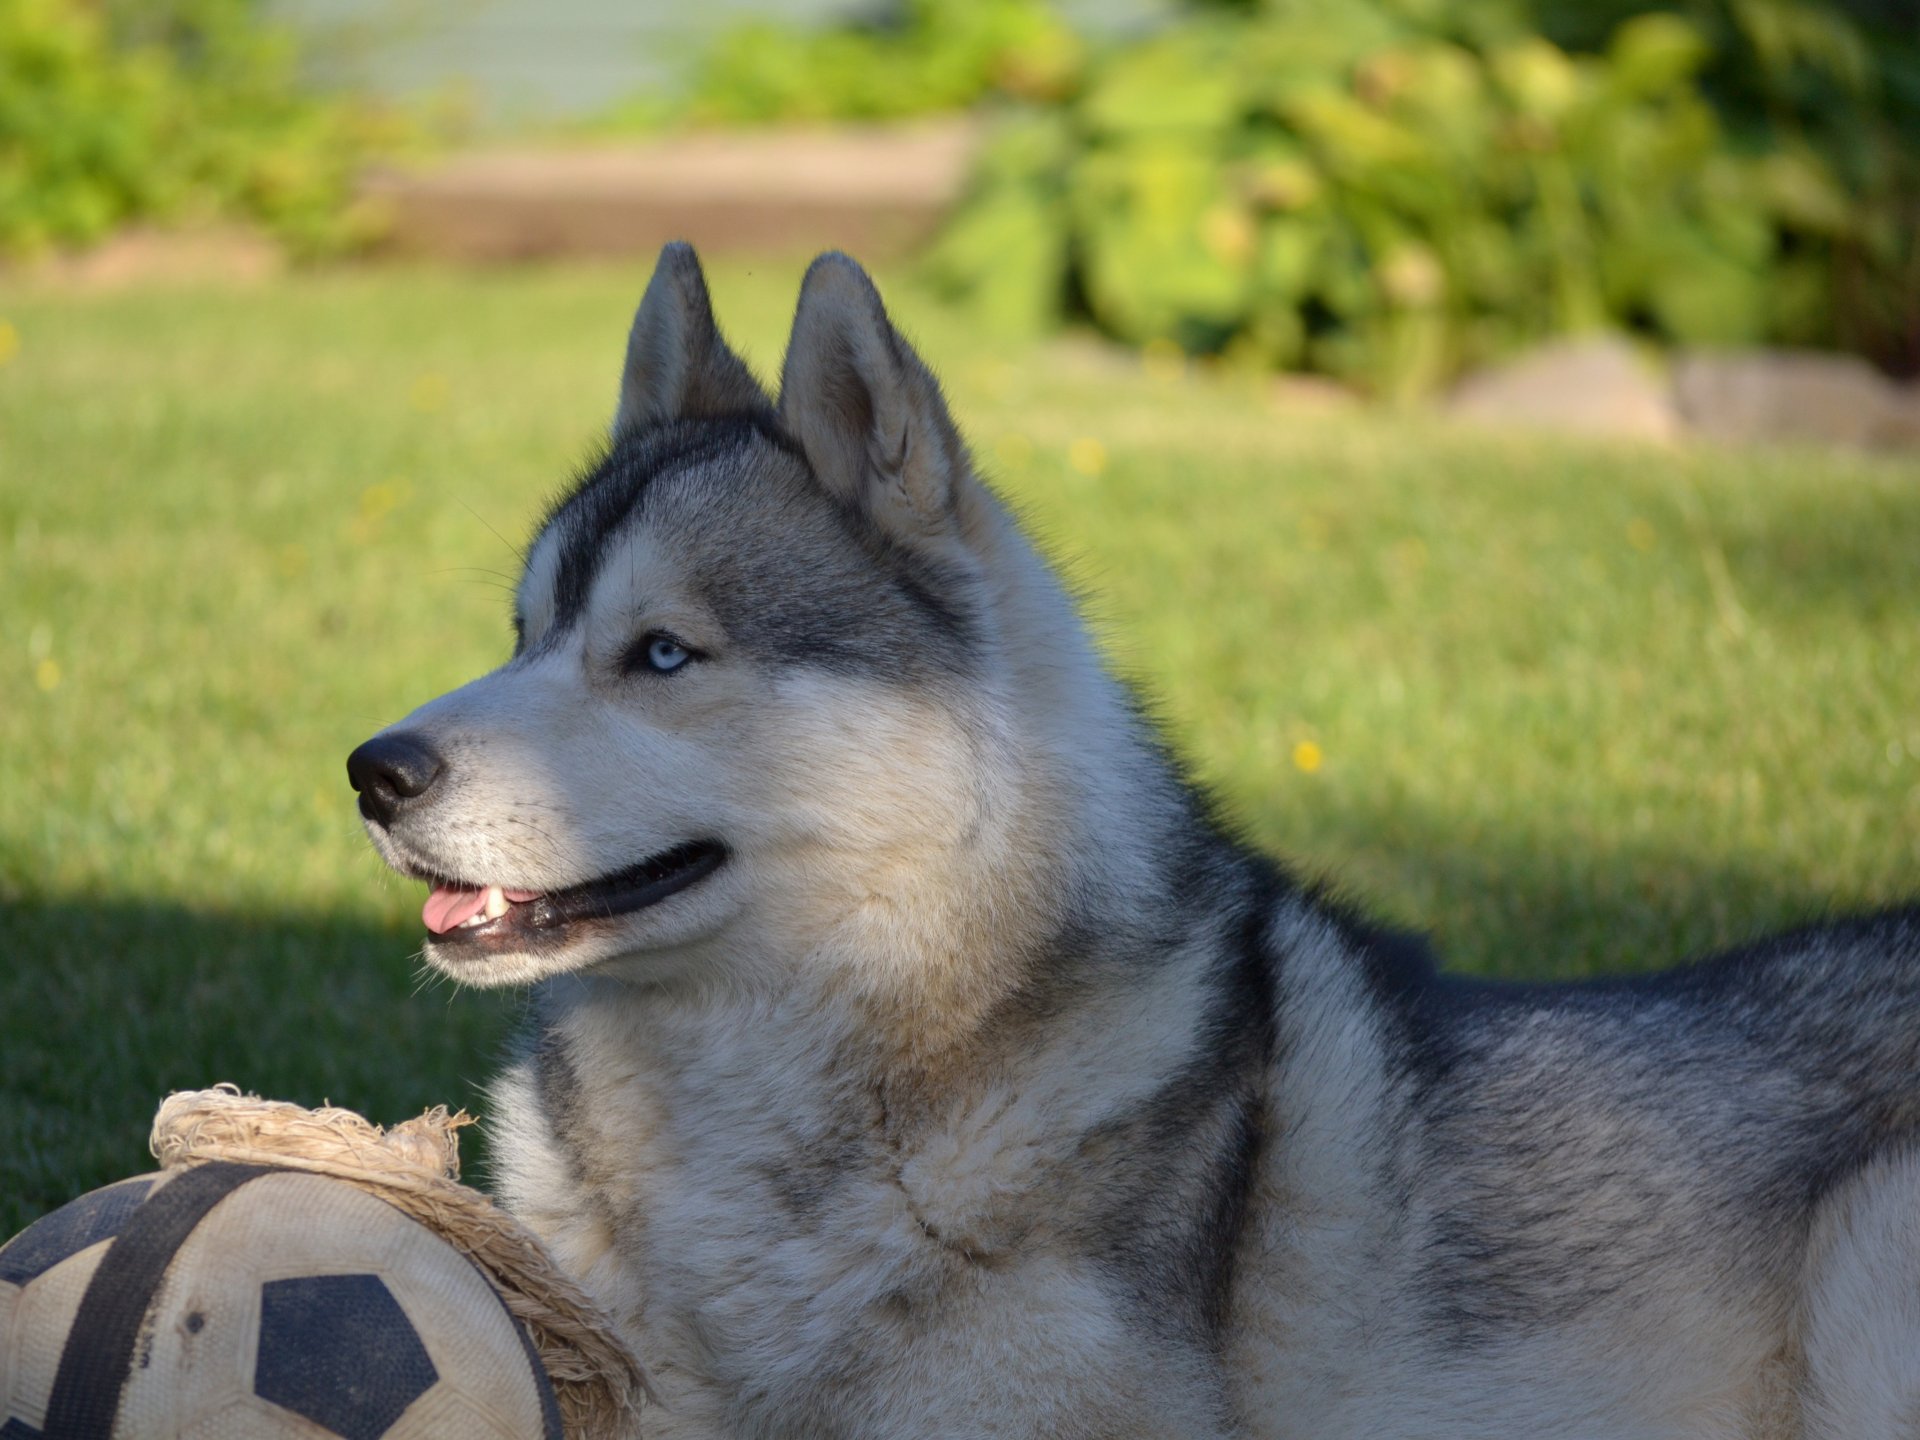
(1598, 385)
(1758, 396)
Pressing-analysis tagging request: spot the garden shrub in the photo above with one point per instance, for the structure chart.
(1389, 192)
(165, 111)
(923, 57)
(1831, 82)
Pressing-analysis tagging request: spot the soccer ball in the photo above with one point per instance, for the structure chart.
(241, 1302)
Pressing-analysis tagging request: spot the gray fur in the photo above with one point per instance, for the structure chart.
(865, 409)
(677, 365)
(990, 1087)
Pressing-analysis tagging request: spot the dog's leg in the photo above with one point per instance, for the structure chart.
(1861, 1307)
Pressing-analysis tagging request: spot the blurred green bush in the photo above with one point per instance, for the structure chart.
(170, 109)
(918, 57)
(1389, 191)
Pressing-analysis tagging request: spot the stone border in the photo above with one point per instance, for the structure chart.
(1604, 386)
(876, 191)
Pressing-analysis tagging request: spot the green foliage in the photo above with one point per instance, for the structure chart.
(1390, 190)
(157, 112)
(924, 57)
(1827, 92)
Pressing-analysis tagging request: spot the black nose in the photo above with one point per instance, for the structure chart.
(390, 770)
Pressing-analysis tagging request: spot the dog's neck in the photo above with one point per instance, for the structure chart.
(1063, 858)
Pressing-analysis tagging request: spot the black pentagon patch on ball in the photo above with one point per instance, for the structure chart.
(339, 1350)
(96, 1216)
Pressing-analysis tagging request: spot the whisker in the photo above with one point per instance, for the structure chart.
(473, 570)
(512, 549)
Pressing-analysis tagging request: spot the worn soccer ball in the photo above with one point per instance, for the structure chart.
(237, 1302)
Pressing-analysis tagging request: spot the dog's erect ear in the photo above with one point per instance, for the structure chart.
(678, 367)
(865, 409)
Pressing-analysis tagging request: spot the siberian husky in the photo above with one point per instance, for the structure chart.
(914, 1054)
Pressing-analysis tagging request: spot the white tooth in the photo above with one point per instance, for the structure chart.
(473, 920)
(496, 903)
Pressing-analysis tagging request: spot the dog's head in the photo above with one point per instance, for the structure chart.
(749, 670)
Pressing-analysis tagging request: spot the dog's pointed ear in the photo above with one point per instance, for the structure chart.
(678, 367)
(866, 410)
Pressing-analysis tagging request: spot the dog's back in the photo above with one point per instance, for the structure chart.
(1617, 1208)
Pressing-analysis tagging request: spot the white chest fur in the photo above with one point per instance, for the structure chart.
(783, 1267)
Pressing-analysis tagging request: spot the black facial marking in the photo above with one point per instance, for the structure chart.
(793, 574)
(587, 518)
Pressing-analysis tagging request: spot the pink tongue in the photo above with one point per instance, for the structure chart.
(449, 906)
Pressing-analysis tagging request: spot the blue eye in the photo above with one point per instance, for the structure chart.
(658, 653)
(666, 654)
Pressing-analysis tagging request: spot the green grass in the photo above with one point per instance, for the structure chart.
(1577, 707)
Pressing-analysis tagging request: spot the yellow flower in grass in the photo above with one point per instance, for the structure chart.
(377, 501)
(1087, 456)
(429, 392)
(1307, 757)
(9, 341)
(47, 675)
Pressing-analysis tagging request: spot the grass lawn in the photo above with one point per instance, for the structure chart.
(1571, 707)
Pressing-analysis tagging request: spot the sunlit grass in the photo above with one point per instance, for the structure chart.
(1570, 706)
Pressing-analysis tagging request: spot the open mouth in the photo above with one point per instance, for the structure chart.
(497, 916)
